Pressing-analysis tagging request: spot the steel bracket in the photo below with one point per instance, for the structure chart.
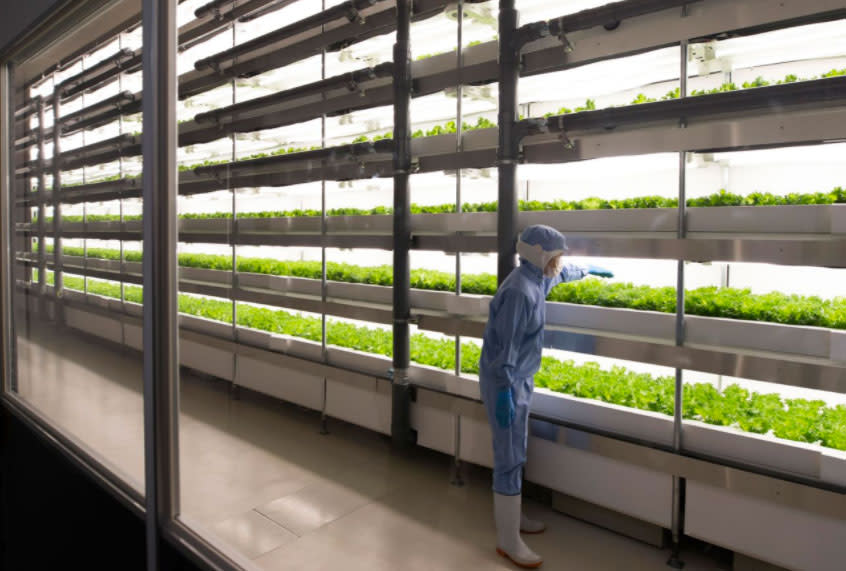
(558, 27)
(566, 43)
(530, 33)
(528, 127)
(566, 141)
(525, 128)
(353, 15)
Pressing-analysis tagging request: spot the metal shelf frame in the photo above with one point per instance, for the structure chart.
(215, 20)
(795, 114)
(698, 21)
(592, 331)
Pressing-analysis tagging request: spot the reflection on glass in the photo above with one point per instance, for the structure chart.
(77, 362)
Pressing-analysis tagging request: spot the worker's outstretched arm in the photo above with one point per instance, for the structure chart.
(568, 273)
(573, 272)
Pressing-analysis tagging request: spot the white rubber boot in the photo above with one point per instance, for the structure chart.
(531, 526)
(508, 541)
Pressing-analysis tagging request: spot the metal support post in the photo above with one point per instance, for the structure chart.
(679, 482)
(7, 112)
(8, 242)
(324, 426)
(120, 201)
(161, 349)
(58, 281)
(42, 216)
(508, 151)
(234, 392)
(401, 407)
(725, 282)
(324, 286)
(84, 207)
(26, 241)
(457, 479)
(459, 145)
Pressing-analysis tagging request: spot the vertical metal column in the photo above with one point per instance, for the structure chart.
(120, 201)
(507, 152)
(8, 194)
(6, 201)
(233, 291)
(457, 480)
(323, 222)
(42, 215)
(26, 240)
(58, 281)
(324, 286)
(401, 391)
(161, 357)
(459, 146)
(679, 482)
(84, 206)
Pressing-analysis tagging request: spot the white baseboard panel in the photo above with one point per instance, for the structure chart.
(622, 487)
(772, 533)
(366, 403)
(264, 376)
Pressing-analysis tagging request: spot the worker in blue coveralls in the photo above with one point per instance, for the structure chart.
(511, 355)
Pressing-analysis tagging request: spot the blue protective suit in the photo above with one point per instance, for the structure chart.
(511, 350)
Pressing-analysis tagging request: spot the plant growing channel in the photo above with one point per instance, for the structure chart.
(801, 420)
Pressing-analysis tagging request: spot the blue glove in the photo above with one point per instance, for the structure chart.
(504, 408)
(601, 272)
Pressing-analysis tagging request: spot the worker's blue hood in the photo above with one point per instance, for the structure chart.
(538, 244)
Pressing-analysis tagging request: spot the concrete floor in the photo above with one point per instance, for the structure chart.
(257, 475)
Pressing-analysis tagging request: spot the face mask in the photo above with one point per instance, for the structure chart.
(556, 268)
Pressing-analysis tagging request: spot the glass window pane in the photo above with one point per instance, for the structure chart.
(77, 295)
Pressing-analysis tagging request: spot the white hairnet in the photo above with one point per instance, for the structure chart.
(538, 244)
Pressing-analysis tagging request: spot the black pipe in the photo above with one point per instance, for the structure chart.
(102, 151)
(102, 191)
(277, 5)
(202, 29)
(101, 113)
(327, 154)
(347, 9)
(347, 79)
(122, 60)
(127, 60)
(92, 46)
(24, 142)
(213, 6)
(401, 432)
(378, 23)
(92, 192)
(769, 100)
(507, 153)
(28, 109)
(774, 98)
(611, 15)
